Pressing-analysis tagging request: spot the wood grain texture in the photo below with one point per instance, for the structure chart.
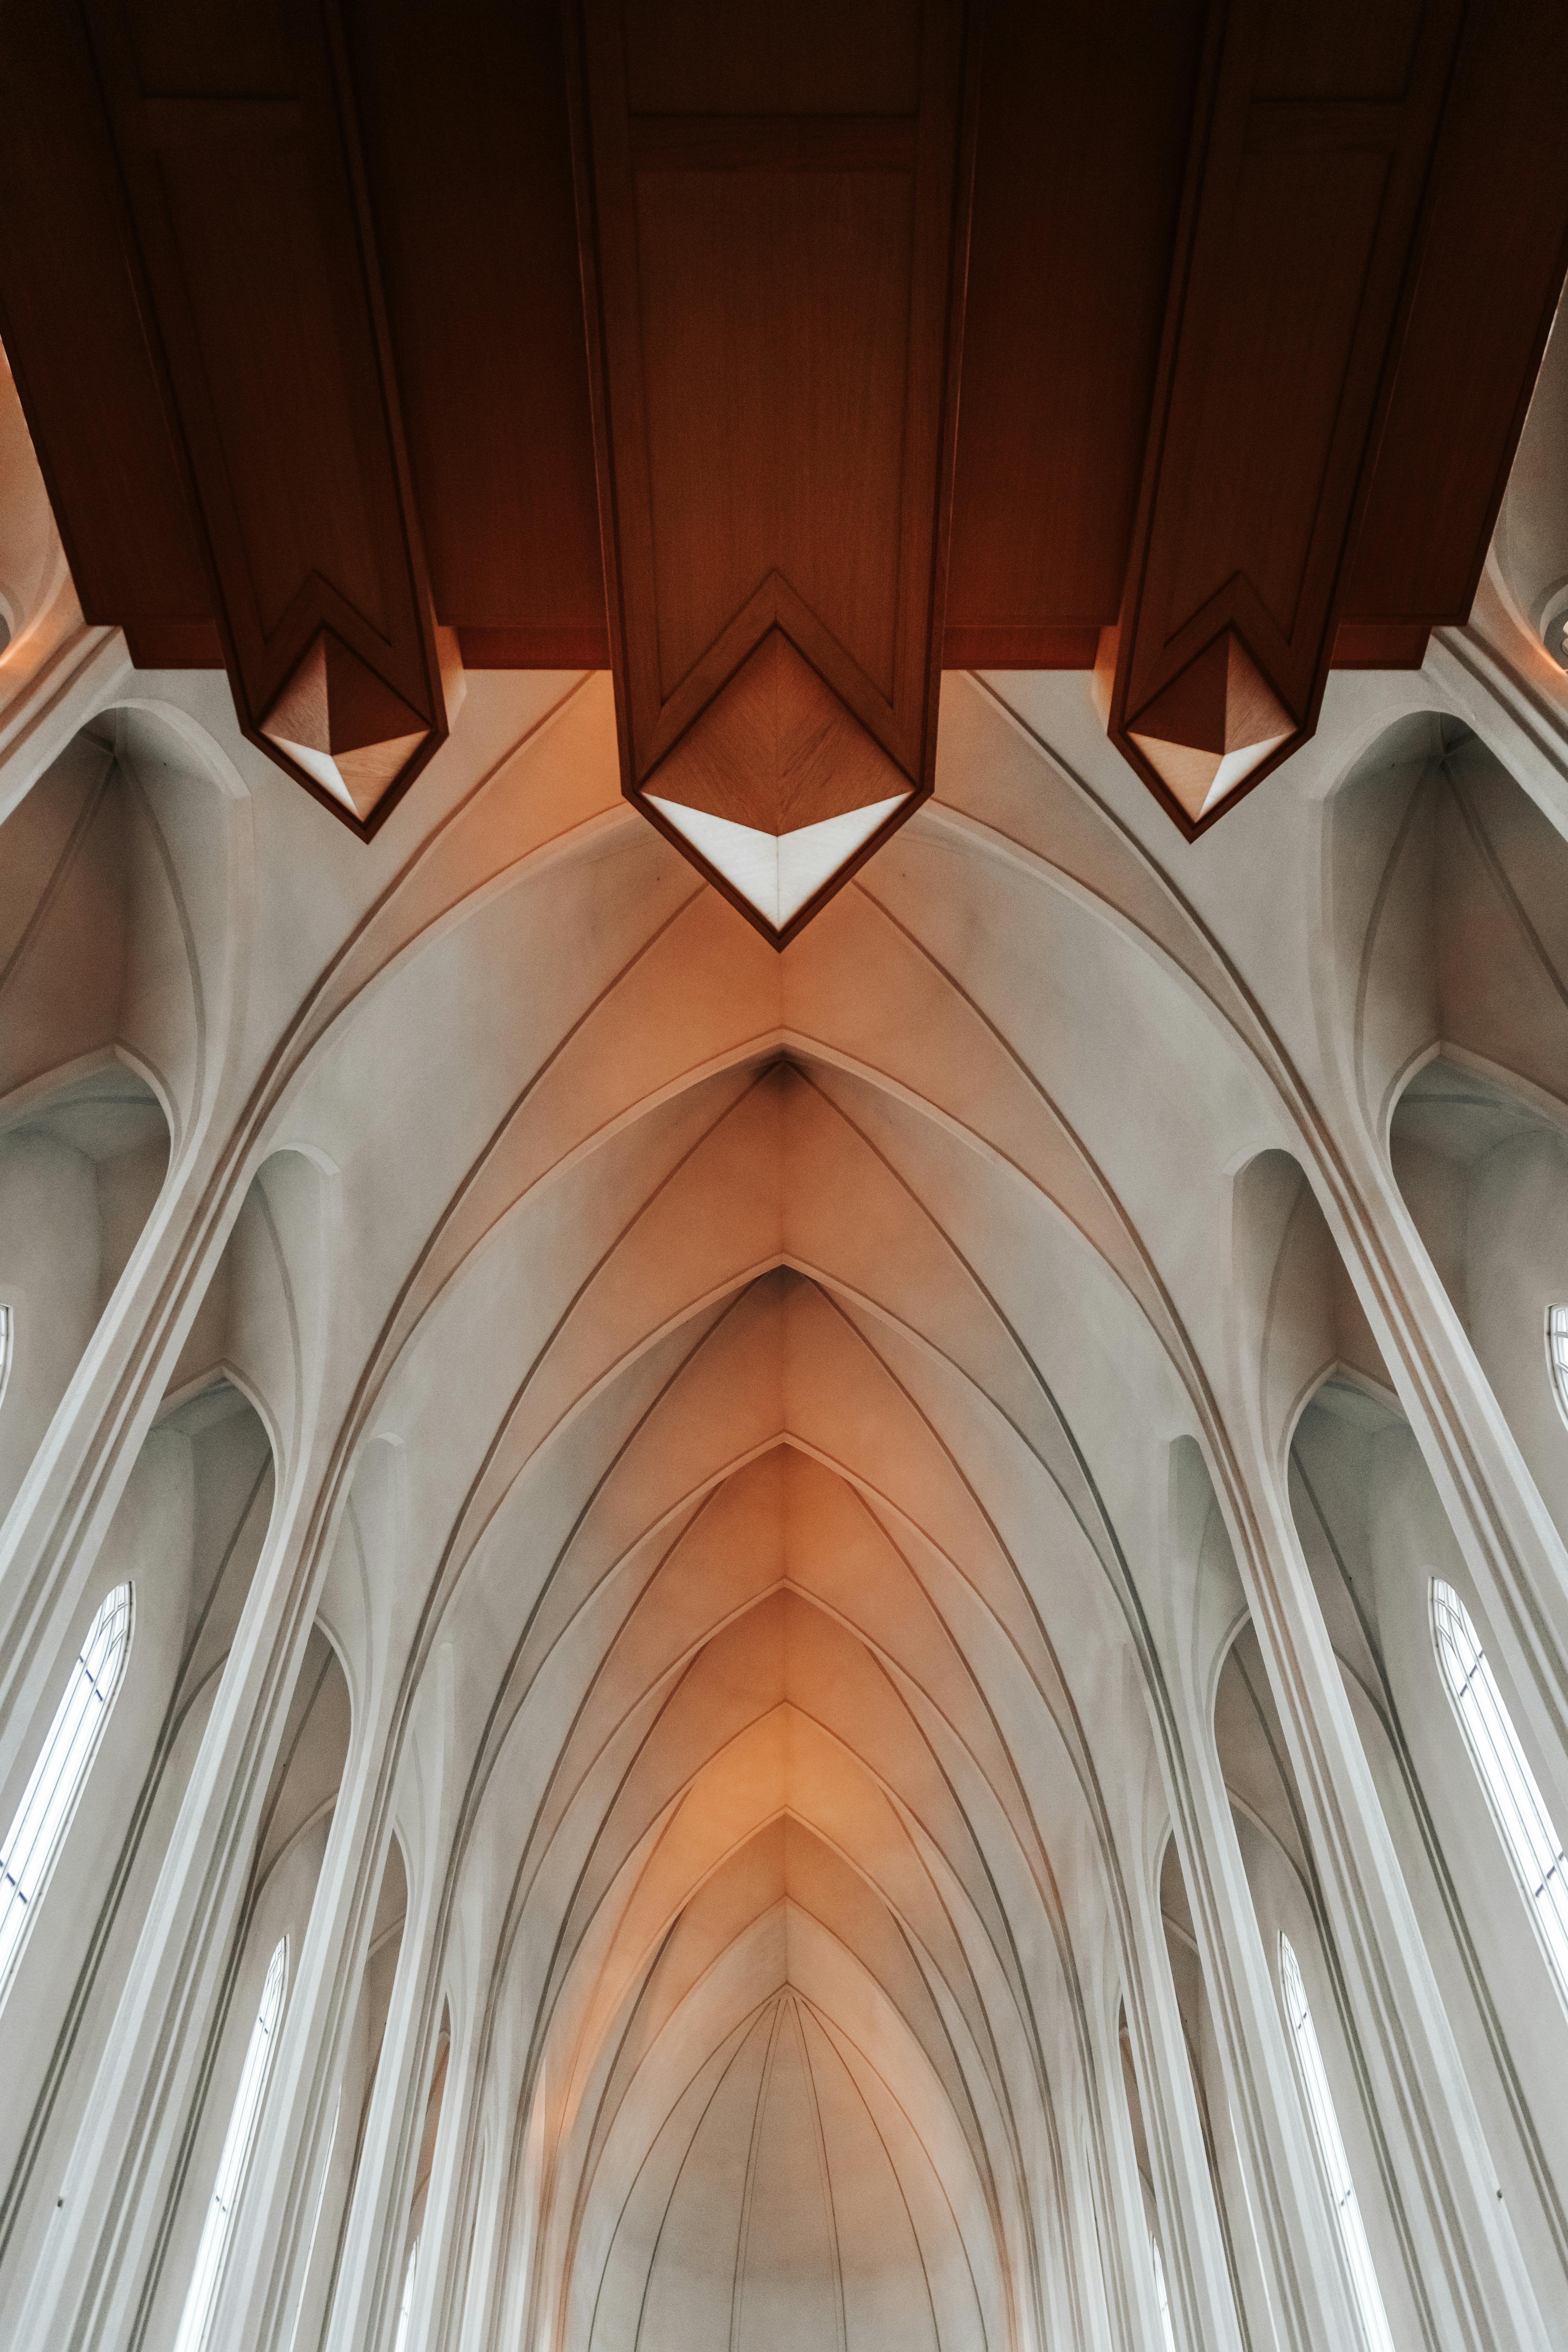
(1034, 645)
(71, 311)
(1312, 144)
(462, 110)
(581, 646)
(773, 214)
(777, 748)
(174, 645)
(1084, 122)
(1249, 332)
(1380, 644)
(1493, 254)
(235, 135)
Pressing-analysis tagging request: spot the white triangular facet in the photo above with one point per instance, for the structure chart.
(778, 872)
(1234, 769)
(808, 858)
(323, 767)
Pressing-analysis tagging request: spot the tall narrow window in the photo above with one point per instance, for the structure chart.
(1167, 2331)
(1512, 1790)
(405, 2308)
(196, 2319)
(33, 1839)
(4, 1349)
(1332, 2155)
(1557, 1355)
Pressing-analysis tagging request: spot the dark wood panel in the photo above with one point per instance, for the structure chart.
(814, 356)
(1380, 644)
(815, 57)
(70, 315)
(234, 134)
(1084, 122)
(585, 646)
(773, 218)
(463, 113)
(1255, 300)
(1311, 146)
(1068, 646)
(174, 645)
(1494, 253)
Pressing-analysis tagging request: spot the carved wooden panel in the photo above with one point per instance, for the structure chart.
(235, 132)
(773, 209)
(1294, 260)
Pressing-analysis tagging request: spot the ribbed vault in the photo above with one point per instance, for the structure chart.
(773, 1682)
(759, 1322)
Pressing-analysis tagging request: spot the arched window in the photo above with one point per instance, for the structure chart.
(1512, 1790)
(196, 2317)
(1557, 1355)
(405, 2308)
(1332, 2155)
(49, 1798)
(1167, 2331)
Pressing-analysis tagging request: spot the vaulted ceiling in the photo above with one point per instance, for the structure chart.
(742, 1417)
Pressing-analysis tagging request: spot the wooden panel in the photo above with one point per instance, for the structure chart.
(1311, 153)
(774, 210)
(585, 647)
(1380, 644)
(1085, 115)
(463, 113)
(174, 645)
(1495, 250)
(70, 315)
(1068, 646)
(235, 133)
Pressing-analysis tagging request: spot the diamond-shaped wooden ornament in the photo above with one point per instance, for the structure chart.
(344, 726)
(776, 787)
(1212, 727)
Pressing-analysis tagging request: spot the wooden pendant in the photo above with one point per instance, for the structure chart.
(247, 231)
(1296, 257)
(774, 212)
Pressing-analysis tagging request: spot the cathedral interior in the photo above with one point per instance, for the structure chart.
(784, 1176)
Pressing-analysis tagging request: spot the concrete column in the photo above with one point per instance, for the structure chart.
(1301, 2261)
(1470, 2271)
(370, 2276)
(266, 2272)
(1198, 2276)
(1124, 2221)
(56, 1528)
(1510, 1543)
(92, 2272)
